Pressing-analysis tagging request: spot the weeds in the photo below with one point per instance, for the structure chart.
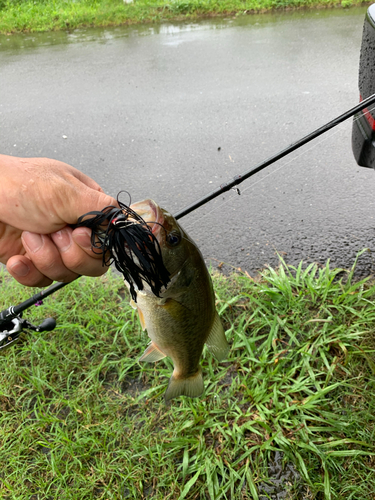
(291, 410)
(46, 15)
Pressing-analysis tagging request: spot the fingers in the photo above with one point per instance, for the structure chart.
(89, 200)
(76, 251)
(10, 242)
(23, 270)
(42, 195)
(62, 256)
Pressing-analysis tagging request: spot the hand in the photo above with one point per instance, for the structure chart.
(39, 197)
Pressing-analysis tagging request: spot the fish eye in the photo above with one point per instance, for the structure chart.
(173, 239)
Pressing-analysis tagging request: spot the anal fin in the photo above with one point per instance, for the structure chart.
(217, 342)
(152, 354)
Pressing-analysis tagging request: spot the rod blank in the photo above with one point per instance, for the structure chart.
(272, 159)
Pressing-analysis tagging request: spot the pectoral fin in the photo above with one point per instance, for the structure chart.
(142, 319)
(152, 354)
(133, 304)
(140, 314)
(217, 342)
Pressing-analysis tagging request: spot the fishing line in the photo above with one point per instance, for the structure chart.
(239, 178)
(339, 128)
(332, 133)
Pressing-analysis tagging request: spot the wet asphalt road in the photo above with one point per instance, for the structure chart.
(146, 109)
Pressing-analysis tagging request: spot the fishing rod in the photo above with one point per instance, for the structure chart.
(11, 322)
(272, 159)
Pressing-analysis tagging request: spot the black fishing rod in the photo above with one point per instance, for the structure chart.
(11, 322)
(272, 159)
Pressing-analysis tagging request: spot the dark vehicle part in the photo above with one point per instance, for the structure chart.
(363, 132)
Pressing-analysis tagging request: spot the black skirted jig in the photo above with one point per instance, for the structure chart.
(126, 240)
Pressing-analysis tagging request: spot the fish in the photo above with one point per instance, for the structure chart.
(183, 318)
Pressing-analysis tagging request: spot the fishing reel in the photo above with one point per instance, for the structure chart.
(11, 329)
(12, 323)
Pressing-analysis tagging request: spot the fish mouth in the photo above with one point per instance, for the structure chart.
(150, 213)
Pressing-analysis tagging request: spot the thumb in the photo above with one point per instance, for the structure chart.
(88, 200)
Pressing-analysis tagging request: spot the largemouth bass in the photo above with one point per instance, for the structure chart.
(183, 318)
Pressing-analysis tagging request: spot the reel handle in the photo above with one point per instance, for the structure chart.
(47, 325)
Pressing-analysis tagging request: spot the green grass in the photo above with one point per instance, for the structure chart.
(46, 15)
(81, 419)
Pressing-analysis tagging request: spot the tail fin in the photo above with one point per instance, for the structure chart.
(191, 387)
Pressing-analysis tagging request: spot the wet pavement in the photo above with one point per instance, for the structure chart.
(172, 111)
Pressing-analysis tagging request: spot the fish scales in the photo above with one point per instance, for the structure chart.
(183, 318)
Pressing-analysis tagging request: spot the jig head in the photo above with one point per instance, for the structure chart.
(126, 240)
